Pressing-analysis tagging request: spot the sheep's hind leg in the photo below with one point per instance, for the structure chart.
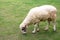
(47, 27)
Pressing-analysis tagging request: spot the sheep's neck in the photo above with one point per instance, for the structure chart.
(27, 21)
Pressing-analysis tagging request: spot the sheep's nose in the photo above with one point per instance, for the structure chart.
(24, 30)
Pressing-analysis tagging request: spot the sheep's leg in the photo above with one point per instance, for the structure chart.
(47, 27)
(35, 28)
(54, 25)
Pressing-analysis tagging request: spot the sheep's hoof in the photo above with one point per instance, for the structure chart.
(38, 30)
(33, 32)
(54, 30)
(45, 29)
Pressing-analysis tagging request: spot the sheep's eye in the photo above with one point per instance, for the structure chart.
(24, 29)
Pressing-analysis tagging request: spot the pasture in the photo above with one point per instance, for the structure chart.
(13, 12)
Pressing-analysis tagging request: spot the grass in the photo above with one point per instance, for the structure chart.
(12, 12)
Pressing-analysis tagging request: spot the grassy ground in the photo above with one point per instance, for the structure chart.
(12, 12)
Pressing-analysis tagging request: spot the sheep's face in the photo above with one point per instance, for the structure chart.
(23, 29)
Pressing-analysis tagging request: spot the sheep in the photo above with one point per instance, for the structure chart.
(38, 14)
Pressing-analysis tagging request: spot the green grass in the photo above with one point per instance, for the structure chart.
(12, 13)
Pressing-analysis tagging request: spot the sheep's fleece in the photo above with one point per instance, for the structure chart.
(38, 14)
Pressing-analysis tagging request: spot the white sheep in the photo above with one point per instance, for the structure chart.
(37, 14)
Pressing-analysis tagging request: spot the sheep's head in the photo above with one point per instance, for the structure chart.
(23, 28)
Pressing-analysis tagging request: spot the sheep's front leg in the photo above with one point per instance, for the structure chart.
(54, 25)
(36, 28)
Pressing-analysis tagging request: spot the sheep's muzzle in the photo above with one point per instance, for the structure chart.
(24, 30)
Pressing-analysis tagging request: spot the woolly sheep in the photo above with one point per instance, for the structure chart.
(38, 14)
